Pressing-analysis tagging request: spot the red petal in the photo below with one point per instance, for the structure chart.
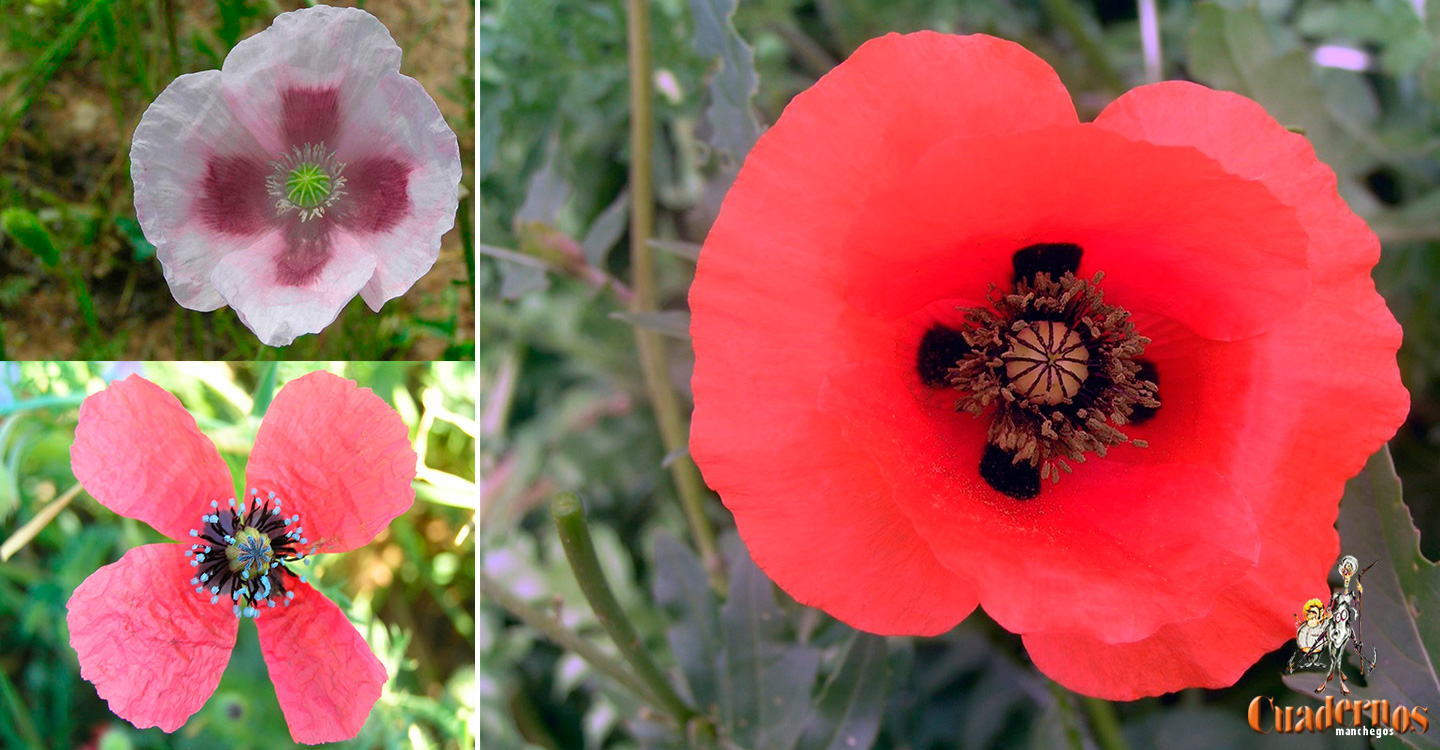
(834, 539)
(140, 454)
(1339, 347)
(338, 455)
(1145, 541)
(778, 465)
(154, 648)
(325, 675)
(1169, 228)
(777, 462)
(1248, 620)
(1289, 455)
(1248, 142)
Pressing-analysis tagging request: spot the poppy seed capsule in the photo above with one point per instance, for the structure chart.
(1047, 362)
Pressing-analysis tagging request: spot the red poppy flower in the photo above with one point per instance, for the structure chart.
(331, 467)
(932, 292)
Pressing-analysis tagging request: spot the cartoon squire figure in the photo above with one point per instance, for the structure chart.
(1310, 637)
(1328, 629)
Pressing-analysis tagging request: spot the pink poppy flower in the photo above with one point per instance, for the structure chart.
(332, 466)
(304, 171)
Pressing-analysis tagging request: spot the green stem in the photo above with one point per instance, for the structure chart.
(1068, 720)
(569, 516)
(1065, 13)
(34, 526)
(1105, 724)
(81, 291)
(41, 402)
(564, 637)
(171, 37)
(663, 397)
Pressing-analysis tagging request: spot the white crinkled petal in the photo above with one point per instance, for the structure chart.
(400, 120)
(313, 48)
(185, 125)
(278, 313)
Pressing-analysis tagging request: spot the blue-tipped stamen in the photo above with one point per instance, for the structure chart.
(257, 543)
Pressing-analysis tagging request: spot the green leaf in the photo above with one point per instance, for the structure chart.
(546, 195)
(687, 250)
(1400, 606)
(1389, 24)
(264, 390)
(1234, 50)
(683, 589)
(141, 248)
(518, 280)
(734, 85)
(606, 230)
(847, 713)
(26, 229)
(766, 679)
(672, 323)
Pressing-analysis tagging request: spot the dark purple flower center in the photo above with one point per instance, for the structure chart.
(242, 551)
(1057, 370)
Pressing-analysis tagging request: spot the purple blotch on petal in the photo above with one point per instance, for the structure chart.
(232, 195)
(310, 115)
(378, 194)
(307, 251)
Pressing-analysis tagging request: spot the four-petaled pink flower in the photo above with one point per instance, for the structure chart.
(331, 466)
(304, 171)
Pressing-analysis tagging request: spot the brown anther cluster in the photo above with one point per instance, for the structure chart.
(1058, 366)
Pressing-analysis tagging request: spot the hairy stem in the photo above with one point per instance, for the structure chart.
(1066, 710)
(1104, 723)
(569, 516)
(663, 397)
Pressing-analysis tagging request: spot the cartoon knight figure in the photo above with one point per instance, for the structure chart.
(1343, 628)
(1349, 568)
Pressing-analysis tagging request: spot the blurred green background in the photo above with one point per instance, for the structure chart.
(564, 406)
(410, 592)
(78, 279)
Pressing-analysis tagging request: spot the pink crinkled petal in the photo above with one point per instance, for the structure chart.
(140, 454)
(200, 190)
(403, 180)
(292, 83)
(283, 286)
(337, 454)
(325, 675)
(153, 647)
